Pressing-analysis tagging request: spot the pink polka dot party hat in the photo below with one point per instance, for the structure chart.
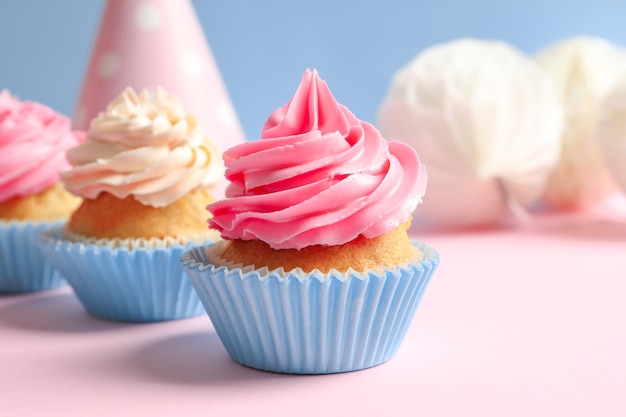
(151, 43)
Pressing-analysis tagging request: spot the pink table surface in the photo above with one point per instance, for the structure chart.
(514, 323)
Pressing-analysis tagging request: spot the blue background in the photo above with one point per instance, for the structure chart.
(262, 47)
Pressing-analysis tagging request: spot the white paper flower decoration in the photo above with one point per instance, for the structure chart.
(584, 71)
(612, 132)
(485, 121)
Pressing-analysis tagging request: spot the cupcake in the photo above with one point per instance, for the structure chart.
(144, 173)
(315, 272)
(33, 141)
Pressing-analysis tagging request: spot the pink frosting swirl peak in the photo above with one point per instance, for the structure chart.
(33, 141)
(318, 176)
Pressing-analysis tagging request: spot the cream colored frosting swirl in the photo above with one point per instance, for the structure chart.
(143, 146)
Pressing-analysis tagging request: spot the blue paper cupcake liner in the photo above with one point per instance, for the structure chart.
(118, 284)
(323, 323)
(23, 267)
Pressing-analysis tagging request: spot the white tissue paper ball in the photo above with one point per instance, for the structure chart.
(485, 121)
(584, 72)
(612, 132)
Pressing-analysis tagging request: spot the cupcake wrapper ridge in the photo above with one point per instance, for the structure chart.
(118, 284)
(23, 267)
(324, 323)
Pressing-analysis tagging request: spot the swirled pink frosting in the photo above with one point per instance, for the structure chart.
(146, 146)
(33, 141)
(318, 176)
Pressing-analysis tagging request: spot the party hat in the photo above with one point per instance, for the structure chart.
(150, 43)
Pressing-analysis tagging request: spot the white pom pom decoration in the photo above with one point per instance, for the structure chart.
(485, 121)
(612, 132)
(584, 71)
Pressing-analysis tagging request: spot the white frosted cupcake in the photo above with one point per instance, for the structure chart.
(316, 272)
(33, 141)
(144, 173)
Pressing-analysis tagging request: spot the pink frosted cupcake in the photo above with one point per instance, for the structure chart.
(33, 141)
(316, 272)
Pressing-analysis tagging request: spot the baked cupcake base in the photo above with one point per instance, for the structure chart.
(315, 323)
(51, 204)
(141, 284)
(101, 217)
(23, 267)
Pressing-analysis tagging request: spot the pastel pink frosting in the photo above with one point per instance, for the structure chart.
(318, 176)
(33, 141)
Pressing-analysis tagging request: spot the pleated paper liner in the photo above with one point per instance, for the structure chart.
(22, 265)
(130, 282)
(292, 322)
